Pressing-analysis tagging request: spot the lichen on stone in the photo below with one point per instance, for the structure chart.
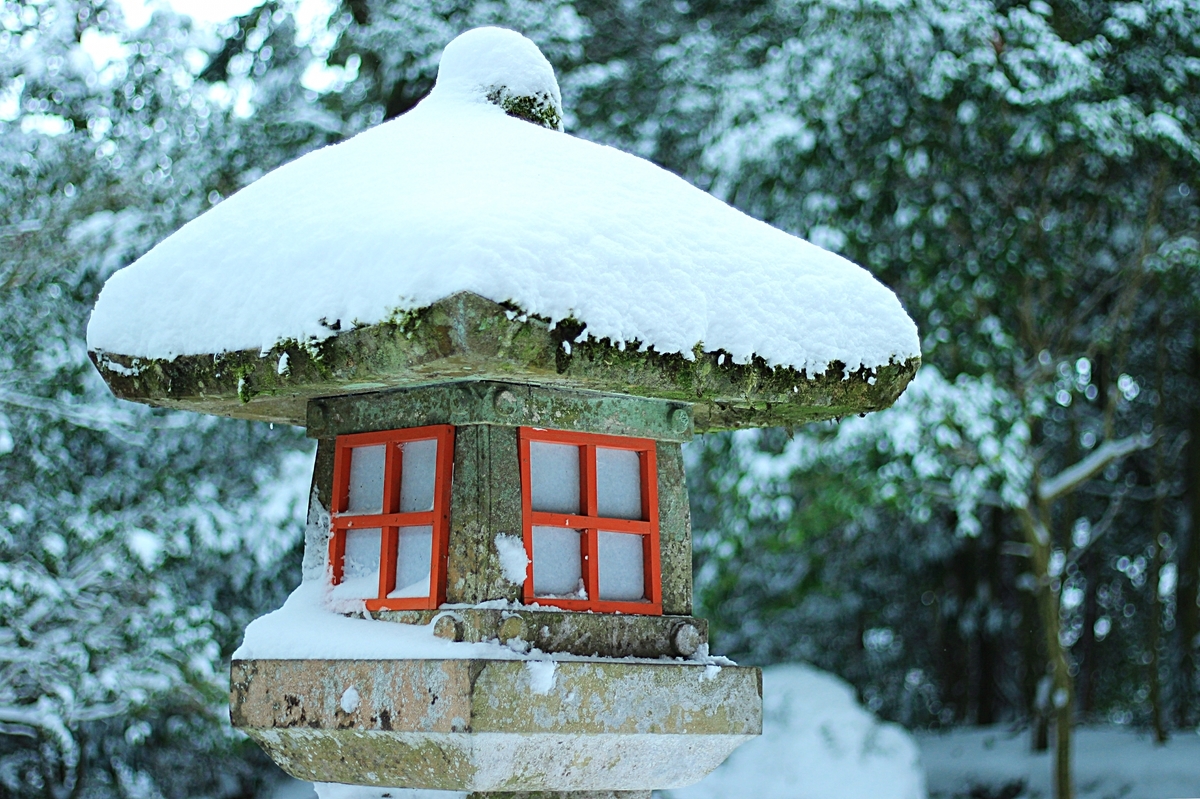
(540, 108)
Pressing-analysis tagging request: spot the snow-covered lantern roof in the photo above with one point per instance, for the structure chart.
(460, 242)
(500, 336)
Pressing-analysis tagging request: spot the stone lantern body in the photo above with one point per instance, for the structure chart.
(501, 498)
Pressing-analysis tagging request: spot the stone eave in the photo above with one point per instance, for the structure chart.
(468, 337)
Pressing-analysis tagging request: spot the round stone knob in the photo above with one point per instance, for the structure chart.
(506, 403)
(446, 627)
(510, 628)
(680, 419)
(686, 639)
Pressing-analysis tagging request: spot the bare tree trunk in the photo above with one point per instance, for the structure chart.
(1047, 571)
(1038, 684)
(1187, 609)
(1156, 704)
(989, 646)
(1157, 532)
(1085, 683)
(1038, 537)
(955, 662)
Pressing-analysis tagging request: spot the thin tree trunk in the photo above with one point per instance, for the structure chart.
(1085, 684)
(1156, 706)
(989, 648)
(1035, 518)
(1037, 681)
(974, 613)
(1156, 533)
(1187, 610)
(956, 657)
(1038, 537)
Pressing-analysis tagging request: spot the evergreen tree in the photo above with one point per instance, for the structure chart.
(1022, 175)
(134, 544)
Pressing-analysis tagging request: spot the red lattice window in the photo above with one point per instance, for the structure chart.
(590, 514)
(391, 517)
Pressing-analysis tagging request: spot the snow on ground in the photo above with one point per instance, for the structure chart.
(817, 743)
(455, 195)
(1110, 763)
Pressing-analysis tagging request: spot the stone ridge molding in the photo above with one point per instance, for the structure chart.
(606, 635)
(466, 337)
(497, 725)
(504, 405)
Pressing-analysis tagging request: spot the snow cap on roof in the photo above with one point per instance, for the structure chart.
(501, 67)
(457, 195)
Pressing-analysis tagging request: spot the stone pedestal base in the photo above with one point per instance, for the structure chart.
(561, 795)
(498, 725)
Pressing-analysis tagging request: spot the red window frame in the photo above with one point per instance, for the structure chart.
(390, 520)
(591, 523)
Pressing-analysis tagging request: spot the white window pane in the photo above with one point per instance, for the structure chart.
(618, 483)
(554, 474)
(622, 574)
(360, 565)
(418, 468)
(366, 479)
(414, 556)
(556, 562)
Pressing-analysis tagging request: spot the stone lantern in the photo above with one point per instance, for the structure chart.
(499, 336)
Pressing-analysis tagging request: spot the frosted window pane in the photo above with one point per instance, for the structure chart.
(554, 474)
(366, 479)
(556, 562)
(360, 565)
(418, 467)
(618, 483)
(622, 575)
(414, 555)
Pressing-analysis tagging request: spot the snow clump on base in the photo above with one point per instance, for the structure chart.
(514, 561)
(458, 196)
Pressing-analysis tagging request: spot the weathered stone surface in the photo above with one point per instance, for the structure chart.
(467, 337)
(413, 695)
(496, 761)
(674, 530)
(323, 471)
(584, 634)
(485, 501)
(483, 726)
(505, 404)
(560, 795)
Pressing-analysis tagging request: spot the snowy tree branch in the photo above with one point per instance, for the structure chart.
(125, 424)
(1072, 477)
(41, 716)
(1033, 525)
(92, 418)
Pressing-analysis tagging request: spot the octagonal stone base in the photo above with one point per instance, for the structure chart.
(497, 725)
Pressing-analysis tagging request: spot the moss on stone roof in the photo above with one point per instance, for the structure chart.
(468, 337)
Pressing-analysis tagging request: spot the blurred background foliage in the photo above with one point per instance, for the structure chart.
(1022, 174)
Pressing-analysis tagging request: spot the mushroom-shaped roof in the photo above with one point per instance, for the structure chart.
(581, 244)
